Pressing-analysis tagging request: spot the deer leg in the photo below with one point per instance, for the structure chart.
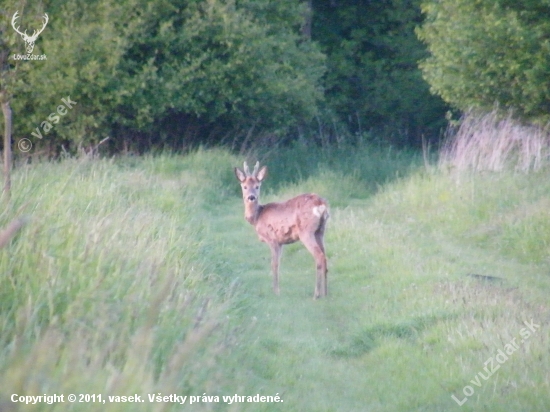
(311, 244)
(319, 238)
(276, 251)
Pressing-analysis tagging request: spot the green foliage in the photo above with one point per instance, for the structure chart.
(372, 80)
(241, 62)
(181, 72)
(131, 65)
(486, 53)
(84, 43)
(7, 68)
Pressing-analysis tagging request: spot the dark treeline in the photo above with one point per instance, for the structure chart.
(177, 73)
(372, 81)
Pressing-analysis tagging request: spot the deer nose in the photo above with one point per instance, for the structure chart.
(251, 198)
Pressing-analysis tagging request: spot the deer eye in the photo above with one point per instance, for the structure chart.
(245, 187)
(257, 187)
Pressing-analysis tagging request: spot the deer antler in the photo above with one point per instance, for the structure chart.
(247, 170)
(29, 39)
(36, 33)
(17, 28)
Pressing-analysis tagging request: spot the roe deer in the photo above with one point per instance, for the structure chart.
(303, 218)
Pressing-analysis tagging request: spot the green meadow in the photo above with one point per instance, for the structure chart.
(140, 276)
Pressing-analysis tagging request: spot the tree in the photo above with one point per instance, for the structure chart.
(489, 53)
(84, 43)
(156, 68)
(223, 65)
(7, 77)
(373, 81)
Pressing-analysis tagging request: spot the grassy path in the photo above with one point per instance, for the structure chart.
(128, 266)
(403, 327)
(286, 349)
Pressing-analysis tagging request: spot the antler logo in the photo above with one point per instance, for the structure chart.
(29, 40)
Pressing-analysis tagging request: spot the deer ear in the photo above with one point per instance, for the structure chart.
(262, 174)
(241, 176)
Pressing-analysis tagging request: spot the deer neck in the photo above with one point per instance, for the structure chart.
(252, 211)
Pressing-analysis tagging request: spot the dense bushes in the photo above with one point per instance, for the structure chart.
(222, 66)
(484, 53)
(182, 72)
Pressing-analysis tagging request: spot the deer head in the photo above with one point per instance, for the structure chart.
(250, 185)
(29, 40)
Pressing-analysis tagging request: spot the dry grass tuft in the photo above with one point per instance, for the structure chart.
(491, 142)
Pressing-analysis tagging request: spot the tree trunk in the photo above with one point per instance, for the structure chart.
(6, 110)
(306, 26)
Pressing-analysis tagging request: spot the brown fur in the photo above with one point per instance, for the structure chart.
(302, 218)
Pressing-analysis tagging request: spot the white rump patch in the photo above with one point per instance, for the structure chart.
(319, 210)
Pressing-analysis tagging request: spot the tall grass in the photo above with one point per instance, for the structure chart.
(106, 289)
(140, 275)
(491, 142)
(505, 211)
(347, 171)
